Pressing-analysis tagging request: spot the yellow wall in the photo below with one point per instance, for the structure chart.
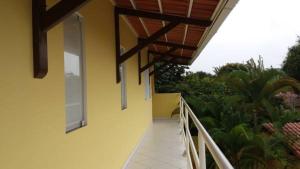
(32, 114)
(164, 104)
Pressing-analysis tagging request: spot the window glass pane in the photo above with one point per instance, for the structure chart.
(73, 65)
(150, 87)
(123, 86)
(147, 84)
(123, 83)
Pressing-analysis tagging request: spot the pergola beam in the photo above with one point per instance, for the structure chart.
(165, 17)
(162, 56)
(178, 62)
(140, 45)
(60, 11)
(139, 67)
(173, 21)
(177, 45)
(170, 55)
(148, 41)
(42, 21)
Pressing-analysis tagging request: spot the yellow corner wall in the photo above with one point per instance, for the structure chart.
(164, 104)
(32, 114)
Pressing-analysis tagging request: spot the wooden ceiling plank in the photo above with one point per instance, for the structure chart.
(171, 44)
(170, 18)
(170, 55)
(163, 22)
(142, 22)
(186, 26)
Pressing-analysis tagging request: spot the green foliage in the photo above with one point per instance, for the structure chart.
(257, 87)
(165, 82)
(197, 75)
(229, 67)
(235, 104)
(291, 64)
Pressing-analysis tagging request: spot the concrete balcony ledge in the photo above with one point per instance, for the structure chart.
(162, 148)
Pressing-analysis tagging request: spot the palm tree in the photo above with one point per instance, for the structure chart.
(239, 136)
(257, 87)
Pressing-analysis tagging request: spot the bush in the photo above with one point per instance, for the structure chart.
(291, 64)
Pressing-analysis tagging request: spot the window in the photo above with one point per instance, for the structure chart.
(147, 84)
(74, 73)
(123, 83)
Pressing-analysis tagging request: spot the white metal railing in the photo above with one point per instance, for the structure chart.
(204, 140)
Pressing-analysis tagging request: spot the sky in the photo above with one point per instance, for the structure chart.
(254, 27)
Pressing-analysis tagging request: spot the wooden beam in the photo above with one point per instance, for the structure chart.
(60, 11)
(170, 55)
(139, 67)
(165, 17)
(42, 22)
(170, 44)
(163, 55)
(147, 41)
(118, 45)
(40, 58)
(180, 62)
(148, 57)
(151, 73)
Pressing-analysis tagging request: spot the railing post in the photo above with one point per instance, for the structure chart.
(201, 146)
(188, 155)
(180, 114)
(181, 125)
(204, 140)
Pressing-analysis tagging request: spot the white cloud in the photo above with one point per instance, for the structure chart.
(255, 27)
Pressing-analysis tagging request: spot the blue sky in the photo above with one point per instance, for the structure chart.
(255, 27)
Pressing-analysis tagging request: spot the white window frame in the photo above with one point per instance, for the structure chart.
(123, 82)
(147, 84)
(83, 73)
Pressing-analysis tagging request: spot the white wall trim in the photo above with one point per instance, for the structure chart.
(167, 118)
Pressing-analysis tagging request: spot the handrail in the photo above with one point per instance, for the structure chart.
(204, 140)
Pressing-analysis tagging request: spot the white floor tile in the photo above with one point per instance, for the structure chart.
(162, 148)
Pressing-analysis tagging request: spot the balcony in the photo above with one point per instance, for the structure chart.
(169, 145)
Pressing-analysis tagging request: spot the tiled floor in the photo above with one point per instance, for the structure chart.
(161, 148)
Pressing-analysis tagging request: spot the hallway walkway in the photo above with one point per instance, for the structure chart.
(161, 148)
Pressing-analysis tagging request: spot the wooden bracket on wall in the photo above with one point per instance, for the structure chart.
(42, 21)
(140, 65)
(162, 56)
(148, 65)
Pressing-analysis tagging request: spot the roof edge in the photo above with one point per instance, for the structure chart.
(223, 10)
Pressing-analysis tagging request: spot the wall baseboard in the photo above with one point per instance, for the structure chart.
(161, 118)
(166, 118)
